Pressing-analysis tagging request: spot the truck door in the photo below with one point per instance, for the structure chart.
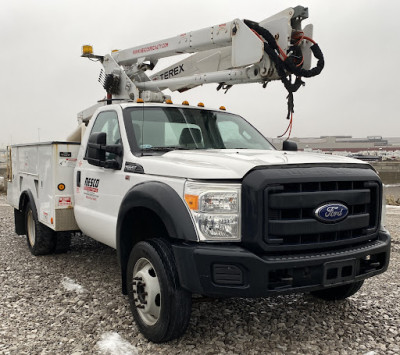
(98, 196)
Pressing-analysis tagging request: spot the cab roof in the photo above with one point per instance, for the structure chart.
(163, 104)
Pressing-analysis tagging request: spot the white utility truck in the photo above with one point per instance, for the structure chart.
(196, 200)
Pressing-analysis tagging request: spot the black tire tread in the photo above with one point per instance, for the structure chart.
(45, 241)
(180, 302)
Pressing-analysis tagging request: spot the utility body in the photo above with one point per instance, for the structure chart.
(196, 200)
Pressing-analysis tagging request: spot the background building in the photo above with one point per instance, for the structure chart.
(346, 144)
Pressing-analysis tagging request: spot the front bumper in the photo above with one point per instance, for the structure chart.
(228, 270)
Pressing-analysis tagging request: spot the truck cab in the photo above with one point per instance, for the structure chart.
(166, 143)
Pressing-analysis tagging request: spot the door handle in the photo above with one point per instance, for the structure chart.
(78, 179)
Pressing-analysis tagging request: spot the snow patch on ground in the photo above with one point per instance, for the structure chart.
(71, 285)
(113, 344)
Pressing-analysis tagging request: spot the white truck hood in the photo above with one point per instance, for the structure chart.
(230, 163)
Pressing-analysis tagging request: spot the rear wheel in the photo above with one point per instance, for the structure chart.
(338, 292)
(41, 239)
(161, 308)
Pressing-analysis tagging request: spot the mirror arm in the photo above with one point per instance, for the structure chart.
(112, 148)
(95, 146)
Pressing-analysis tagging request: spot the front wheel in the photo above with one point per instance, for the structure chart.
(339, 292)
(41, 239)
(160, 306)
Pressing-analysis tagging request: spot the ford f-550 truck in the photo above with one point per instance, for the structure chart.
(196, 200)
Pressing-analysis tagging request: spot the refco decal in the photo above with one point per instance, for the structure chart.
(91, 185)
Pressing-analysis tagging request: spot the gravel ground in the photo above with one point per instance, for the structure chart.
(71, 304)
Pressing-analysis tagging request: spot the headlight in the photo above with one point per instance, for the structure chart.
(215, 209)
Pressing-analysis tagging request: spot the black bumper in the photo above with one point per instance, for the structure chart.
(228, 270)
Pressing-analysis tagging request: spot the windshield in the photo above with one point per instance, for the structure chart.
(163, 129)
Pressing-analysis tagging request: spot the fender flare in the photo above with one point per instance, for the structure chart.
(165, 202)
(30, 199)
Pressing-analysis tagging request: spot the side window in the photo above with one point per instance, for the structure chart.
(157, 128)
(233, 137)
(107, 122)
(230, 134)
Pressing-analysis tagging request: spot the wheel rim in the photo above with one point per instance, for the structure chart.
(146, 291)
(31, 228)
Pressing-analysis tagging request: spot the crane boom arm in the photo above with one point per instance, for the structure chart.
(190, 42)
(234, 52)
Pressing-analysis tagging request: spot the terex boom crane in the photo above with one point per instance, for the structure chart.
(235, 52)
(196, 200)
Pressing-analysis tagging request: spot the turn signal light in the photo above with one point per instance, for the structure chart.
(222, 108)
(169, 102)
(192, 201)
(185, 103)
(140, 101)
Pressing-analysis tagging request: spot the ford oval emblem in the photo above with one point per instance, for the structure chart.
(331, 212)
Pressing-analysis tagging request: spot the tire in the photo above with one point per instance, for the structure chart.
(160, 307)
(339, 292)
(41, 239)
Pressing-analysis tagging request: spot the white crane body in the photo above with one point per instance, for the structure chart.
(228, 54)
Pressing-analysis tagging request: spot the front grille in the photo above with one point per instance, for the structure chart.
(290, 220)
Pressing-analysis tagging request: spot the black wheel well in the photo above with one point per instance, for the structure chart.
(23, 201)
(139, 224)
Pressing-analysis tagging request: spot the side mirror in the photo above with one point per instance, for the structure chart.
(289, 146)
(95, 155)
(97, 149)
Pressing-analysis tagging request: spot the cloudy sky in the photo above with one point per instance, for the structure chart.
(44, 82)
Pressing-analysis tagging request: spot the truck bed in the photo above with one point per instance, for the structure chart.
(45, 170)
